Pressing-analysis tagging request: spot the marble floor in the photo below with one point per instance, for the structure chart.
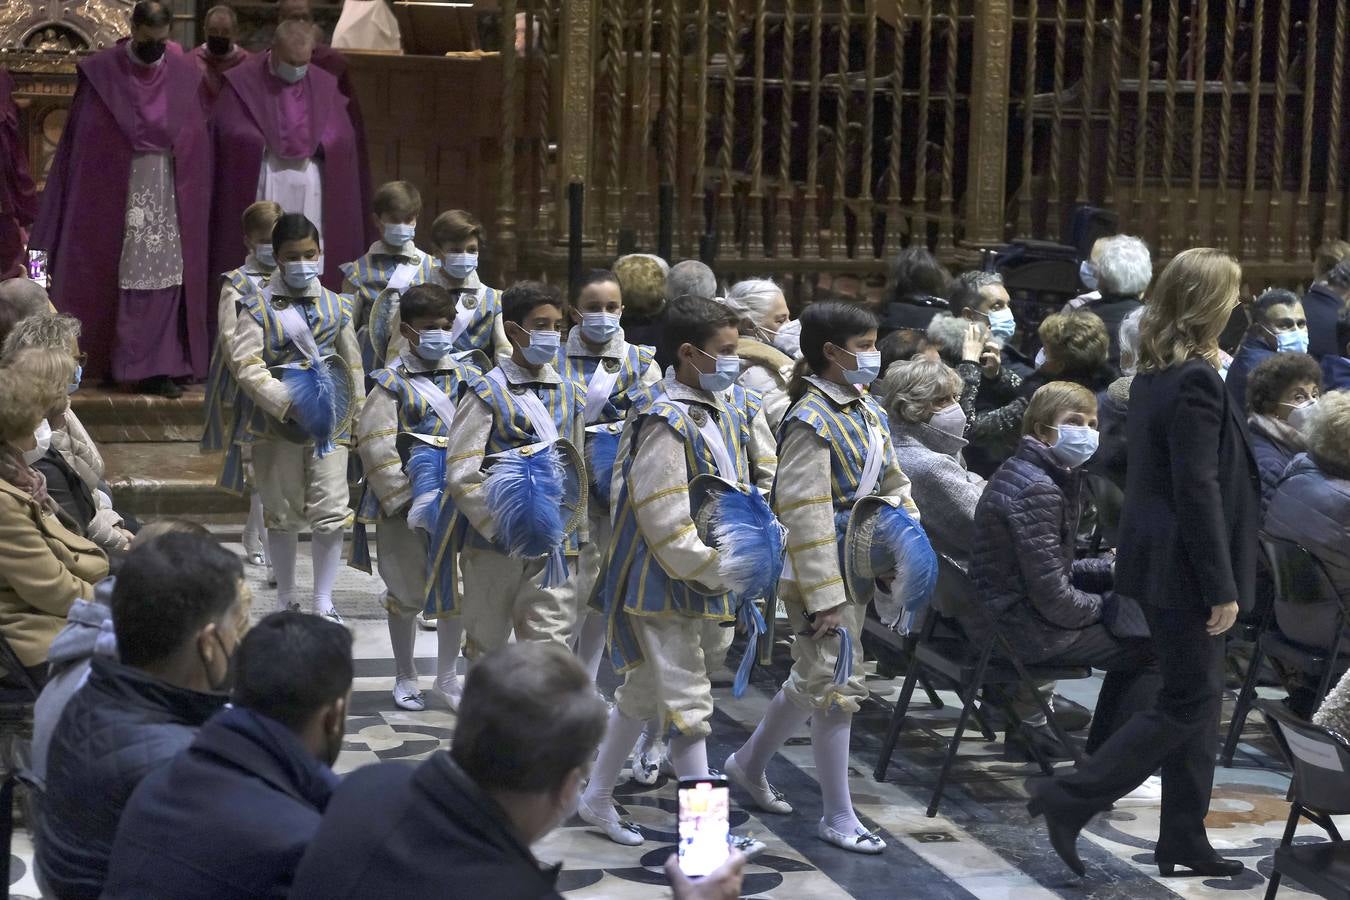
(980, 845)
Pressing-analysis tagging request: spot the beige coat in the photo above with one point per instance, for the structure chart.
(44, 568)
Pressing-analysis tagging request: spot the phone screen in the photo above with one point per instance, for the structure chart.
(705, 805)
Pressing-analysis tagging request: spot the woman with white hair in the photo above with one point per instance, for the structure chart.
(1113, 404)
(1121, 269)
(766, 366)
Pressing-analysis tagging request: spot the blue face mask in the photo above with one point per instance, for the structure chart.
(599, 327)
(728, 369)
(397, 234)
(459, 265)
(263, 254)
(1075, 445)
(542, 348)
(289, 73)
(75, 385)
(1087, 273)
(299, 275)
(1295, 341)
(869, 367)
(433, 343)
(1001, 323)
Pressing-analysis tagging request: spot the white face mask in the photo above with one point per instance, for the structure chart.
(1301, 413)
(396, 234)
(43, 436)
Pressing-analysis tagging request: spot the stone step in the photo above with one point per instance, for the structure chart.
(167, 478)
(113, 416)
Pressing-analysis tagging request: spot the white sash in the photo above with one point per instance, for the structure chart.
(598, 390)
(403, 276)
(463, 316)
(712, 436)
(436, 398)
(540, 418)
(296, 329)
(872, 463)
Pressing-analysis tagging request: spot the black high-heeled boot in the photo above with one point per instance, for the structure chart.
(1063, 835)
(1209, 867)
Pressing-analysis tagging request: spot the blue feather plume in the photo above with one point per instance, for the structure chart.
(843, 663)
(750, 542)
(915, 561)
(426, 474)
(601, 449)
(525, 497)
(313, 403)
(755, 627)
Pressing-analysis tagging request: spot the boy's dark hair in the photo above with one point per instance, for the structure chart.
(830, 322)
(524, 297)
(1274, 375)
(400, 199)
(692, 320)
(456, 226)
(596, 276)
(529, 716)
(292, 227)
(167, 590)
(151, 13)
(426, 301)
(291, 665)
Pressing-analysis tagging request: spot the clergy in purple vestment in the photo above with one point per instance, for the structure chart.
(18, 199)
(283, 133)
(123, 216)
(220, 53)
(333, 62)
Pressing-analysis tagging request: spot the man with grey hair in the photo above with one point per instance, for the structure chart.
(19, 299)
(690, 278)
(219, 53)
(1121, 269)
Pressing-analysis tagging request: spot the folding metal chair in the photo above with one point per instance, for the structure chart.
(1299, 578)
(1320, 760)
(972, 668)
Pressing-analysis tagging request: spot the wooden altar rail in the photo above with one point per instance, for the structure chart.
(804, 135)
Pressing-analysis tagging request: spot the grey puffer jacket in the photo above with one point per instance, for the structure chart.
(1022, 564)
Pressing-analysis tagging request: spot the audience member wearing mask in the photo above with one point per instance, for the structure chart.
(179, 609)
(918, 289)
(1282, 394)
(462, 823)
(1278, 326)
(770, 318)
(690, 278)
(992, 405)
(231, 816)
(45, 564)
(88, 633)
(1311, 506)
(1116, 276)
(1113, 404)
(762, 310)
(69, 438)
(1188, 554)
(19, 299)
(1074, 347)
(1056, 610)
(983, 297)
(1325, 300)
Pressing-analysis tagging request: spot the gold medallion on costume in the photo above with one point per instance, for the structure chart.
(699, 415)
(469, 301)
(611, 365)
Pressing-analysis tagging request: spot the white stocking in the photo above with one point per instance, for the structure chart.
(781, 720)
(620, 734)
(327, 550)
(449, 636)
(283, 549)
(403, 636)
(830, 731)
(689, 756)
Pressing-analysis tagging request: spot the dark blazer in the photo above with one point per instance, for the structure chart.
(1192, 494)
(424, 833)
(1322, 306)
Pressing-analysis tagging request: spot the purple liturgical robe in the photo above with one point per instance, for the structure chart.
(120, 109)
(18, 199)
(257, 112)
(214, 68)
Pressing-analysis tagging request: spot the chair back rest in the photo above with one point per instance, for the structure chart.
(1319, 758)
(1298, 575)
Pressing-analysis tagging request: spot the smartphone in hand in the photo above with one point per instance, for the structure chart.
(704, 825)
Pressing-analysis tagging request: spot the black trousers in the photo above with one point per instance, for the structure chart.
(1132, 681)
(1179, 735)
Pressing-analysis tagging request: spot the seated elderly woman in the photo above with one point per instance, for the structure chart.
(44, 565)
(1282, 394)
(74, 451)
(1120, 269)
(763, 313)
(1074, 347)
(1311, 507)
(1052, 608)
